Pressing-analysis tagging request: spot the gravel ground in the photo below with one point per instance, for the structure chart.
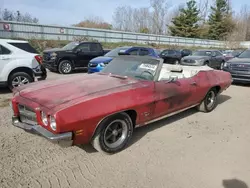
(189, 150)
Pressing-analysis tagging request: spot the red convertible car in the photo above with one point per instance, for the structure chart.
(105, 107)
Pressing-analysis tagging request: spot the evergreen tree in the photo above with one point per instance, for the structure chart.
(220, 20)
(186, 23)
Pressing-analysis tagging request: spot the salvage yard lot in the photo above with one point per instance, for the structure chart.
(191, 149)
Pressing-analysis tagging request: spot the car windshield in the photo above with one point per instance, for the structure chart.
(144, 69)
(202, 53)
(245, 54)
(114, 52)
(236, 52)
(70, 46)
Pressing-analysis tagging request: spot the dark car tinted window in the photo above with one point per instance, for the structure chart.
(95, 47)
(144, 52)
(217, 53)
(245, 54)
(24, 46)
(202, 53)
(134, 52)
(168, 52)
(4, 51)
(85, 47)
(171, 52)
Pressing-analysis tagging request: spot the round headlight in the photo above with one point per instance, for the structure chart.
(44, 118)
(52, 123)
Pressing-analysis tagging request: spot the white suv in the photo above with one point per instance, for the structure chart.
(19, 63)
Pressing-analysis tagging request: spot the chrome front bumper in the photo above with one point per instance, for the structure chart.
(64, 139)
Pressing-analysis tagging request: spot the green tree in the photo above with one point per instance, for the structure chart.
(186, 23)
(220, 20)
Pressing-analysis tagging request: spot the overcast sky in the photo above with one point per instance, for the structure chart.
(67, 12)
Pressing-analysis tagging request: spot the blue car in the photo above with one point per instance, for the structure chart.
(98, 63)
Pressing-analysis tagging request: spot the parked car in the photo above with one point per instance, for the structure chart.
(212, 58)
(98, 63)
(74, 55)
(104, 108)
(20, 63)
(174, 56)
(239, 67)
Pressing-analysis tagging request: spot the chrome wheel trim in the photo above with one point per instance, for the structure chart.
(66, 67)
(115, 133)
(19, 81)
(211, 99)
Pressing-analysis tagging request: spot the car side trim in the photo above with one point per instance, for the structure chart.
(168, 115)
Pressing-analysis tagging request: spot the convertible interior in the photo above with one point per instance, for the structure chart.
(180, 71)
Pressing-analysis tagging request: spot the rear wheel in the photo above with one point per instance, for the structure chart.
(18, 79)
(65, 67)
(210, 101)
(114, 134)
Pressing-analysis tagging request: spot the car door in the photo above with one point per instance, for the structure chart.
(172, 96)
(5, 58)
(167, 55)
(144, 52)
(213, 60)
(83, 55)
(85, 52)
(218, 58)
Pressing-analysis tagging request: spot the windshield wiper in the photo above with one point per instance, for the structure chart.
(118, 76)
(113, 75)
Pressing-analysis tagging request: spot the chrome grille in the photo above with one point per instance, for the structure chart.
(189, 61)
(27, 115)
(240, 67)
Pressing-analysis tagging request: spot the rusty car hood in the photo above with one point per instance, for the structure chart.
(52, 93)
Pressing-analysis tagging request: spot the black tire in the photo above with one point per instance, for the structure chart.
(21, 77)
(101, 138)
(204, 106)
(65, 67)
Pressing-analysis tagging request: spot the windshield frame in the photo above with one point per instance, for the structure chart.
(116, 50)
(72, 45)
(244, 52)
(142, 60)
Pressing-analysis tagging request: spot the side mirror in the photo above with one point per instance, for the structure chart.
(79, 51)
(173, 78)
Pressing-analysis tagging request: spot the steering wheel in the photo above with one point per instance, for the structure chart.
(145, 78)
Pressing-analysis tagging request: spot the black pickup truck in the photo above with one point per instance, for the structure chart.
(74, 55)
